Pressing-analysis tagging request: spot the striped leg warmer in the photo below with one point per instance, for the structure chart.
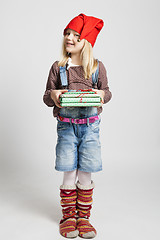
(84, 205)
(67, 224)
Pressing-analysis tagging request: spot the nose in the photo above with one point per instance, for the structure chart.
(70, 36)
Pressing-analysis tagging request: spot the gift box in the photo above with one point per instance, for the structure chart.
(80, 98)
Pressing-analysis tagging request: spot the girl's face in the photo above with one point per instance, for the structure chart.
(71, 43)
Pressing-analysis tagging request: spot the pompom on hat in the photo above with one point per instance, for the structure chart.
(87, 26)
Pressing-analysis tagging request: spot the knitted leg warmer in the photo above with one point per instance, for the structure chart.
(67, 225)
(84, 205)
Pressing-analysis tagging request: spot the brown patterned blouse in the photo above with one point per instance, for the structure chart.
(76, 80)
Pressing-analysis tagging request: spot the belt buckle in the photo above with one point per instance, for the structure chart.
(61, 118)
(76, 120)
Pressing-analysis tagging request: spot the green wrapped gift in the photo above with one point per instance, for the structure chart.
(80, 98)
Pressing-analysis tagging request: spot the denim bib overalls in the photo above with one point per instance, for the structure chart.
(78, 145)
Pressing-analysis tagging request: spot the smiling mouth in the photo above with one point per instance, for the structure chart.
(69, 44)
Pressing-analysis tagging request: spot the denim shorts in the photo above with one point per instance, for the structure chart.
(78, 145)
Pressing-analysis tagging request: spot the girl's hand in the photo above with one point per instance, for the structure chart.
(101, 93)
(55, 94)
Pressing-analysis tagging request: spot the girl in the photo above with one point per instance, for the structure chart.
(78, 149)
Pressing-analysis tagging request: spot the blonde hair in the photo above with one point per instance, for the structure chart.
(89, 63)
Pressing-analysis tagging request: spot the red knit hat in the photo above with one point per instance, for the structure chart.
(88, 27)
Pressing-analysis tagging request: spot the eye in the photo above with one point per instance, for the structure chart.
(67, 33)
(77, 35)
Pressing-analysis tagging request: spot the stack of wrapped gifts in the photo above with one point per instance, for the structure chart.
(80, 98)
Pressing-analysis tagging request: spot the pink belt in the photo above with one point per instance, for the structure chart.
(78, 120)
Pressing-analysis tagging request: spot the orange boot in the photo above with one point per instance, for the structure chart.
(67, 225)
(84, 205)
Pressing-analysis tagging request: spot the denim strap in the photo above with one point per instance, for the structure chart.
(95, 74)
(63, 76)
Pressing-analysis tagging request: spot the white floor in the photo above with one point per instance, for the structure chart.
(126, 205)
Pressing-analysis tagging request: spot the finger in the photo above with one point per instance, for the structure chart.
(58, 105)
(59, 94)
(102, 101)
(94, 90)
(57, 97)
(64, 90)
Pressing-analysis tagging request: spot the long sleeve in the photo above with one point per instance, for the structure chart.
(52, 84)
(103, 83)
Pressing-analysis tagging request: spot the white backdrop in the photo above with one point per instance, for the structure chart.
(126, 197)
